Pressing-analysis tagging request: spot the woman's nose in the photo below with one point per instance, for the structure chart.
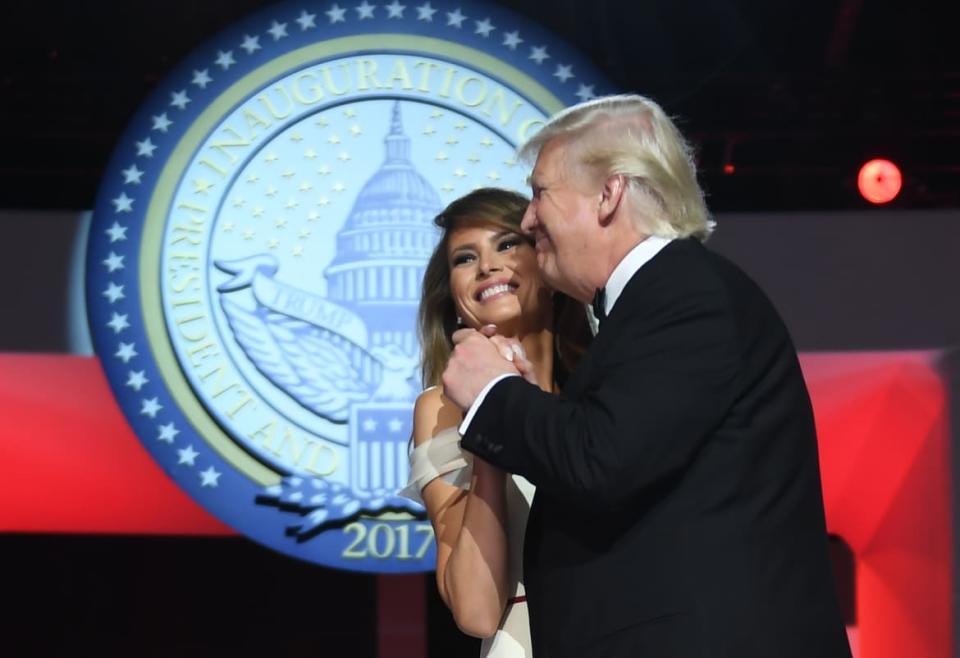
(489, 262)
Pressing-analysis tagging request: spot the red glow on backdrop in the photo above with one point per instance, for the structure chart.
(879, 181)
(70, 463)
(885, 463)
(729, 169)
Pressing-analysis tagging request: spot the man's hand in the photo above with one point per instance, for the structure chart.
(476, 360)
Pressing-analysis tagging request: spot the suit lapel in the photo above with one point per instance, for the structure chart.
(612, 326)
(582, 373)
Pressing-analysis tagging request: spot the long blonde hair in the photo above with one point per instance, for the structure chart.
(437, 317)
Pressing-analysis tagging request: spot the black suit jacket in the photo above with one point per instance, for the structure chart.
(678, 510)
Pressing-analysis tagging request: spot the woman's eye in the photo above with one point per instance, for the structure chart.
(509, 243)
(460, 259)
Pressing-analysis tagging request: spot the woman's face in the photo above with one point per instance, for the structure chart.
(494, 279)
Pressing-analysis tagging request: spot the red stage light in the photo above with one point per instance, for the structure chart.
(879, 181)
(729, 168)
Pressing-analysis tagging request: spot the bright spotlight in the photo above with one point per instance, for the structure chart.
(879, 181)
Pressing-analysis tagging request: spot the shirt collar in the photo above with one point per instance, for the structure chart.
(626, 268)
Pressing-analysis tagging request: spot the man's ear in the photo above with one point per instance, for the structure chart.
(611, 195)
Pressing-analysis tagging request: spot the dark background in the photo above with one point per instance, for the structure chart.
(796, 95)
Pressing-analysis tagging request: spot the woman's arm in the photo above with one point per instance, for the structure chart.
(470, 527)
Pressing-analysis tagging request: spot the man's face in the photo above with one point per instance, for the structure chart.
(562, 219)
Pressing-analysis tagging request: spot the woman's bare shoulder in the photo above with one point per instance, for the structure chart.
(432, 413)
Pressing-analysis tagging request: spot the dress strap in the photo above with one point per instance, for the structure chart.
(440, 456)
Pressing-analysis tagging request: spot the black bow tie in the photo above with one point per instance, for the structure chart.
(600, 305)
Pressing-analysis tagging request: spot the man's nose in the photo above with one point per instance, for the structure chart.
(529, 221)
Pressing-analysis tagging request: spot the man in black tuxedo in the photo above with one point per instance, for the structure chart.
(678, 511)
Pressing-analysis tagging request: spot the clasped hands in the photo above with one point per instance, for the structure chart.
(479, 357)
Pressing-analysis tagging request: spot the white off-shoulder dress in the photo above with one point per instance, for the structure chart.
(442, 457)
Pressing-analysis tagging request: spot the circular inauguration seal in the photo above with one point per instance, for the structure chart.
(258, 244)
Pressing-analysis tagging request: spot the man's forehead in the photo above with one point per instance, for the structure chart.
(548, 160)
(537, 176)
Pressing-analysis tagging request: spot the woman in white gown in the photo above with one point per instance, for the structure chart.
(483, 271)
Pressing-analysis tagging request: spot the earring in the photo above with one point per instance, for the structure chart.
(459, 321)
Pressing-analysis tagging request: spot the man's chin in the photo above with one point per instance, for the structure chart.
(557, 282)
(551, 277)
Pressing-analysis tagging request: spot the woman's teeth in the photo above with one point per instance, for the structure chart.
(494, 290)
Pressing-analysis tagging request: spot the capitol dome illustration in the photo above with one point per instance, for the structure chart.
(383, 247)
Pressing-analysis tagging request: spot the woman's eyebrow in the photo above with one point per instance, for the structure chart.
(493, 238)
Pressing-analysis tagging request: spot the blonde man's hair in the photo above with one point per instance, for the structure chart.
(631, 136)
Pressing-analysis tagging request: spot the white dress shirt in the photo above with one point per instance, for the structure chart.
(626, 268)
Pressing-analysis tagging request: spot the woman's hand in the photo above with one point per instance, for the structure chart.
(511, 350)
